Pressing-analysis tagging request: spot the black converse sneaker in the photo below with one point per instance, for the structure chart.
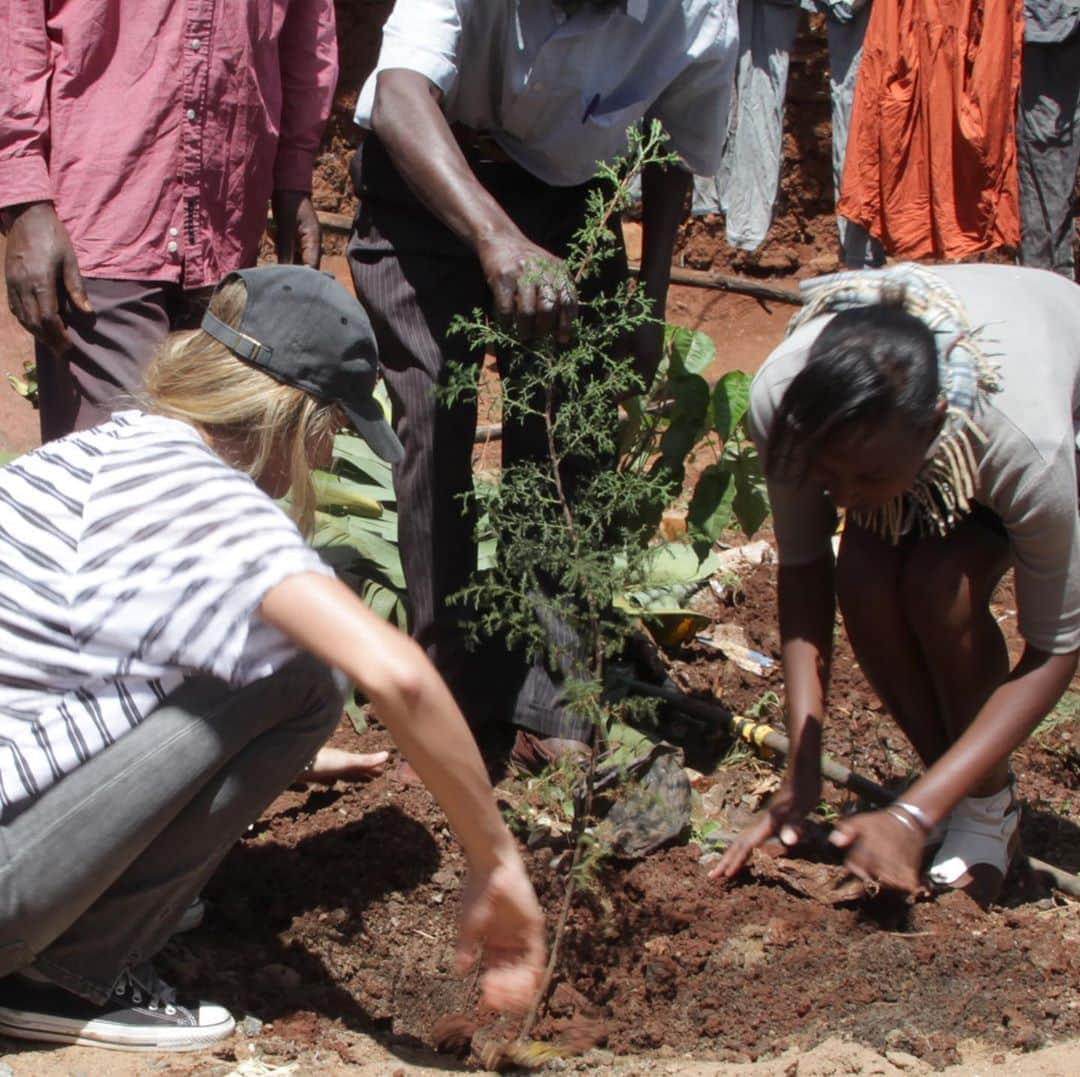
(142, 1015)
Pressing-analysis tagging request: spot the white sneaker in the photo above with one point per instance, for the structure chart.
(982, 838)
(143, 1014)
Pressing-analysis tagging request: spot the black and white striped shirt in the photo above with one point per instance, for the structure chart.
(131, 556)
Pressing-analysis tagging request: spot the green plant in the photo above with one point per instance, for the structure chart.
(766, 706)
(572, 524)
(571, 530)
(1066, 712)
(733, 488)
(356, 526)
(27, 385)
(680, 410)
(356, 533)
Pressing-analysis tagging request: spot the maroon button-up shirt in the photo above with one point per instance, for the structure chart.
(159, 128)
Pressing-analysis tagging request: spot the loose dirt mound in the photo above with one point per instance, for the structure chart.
(335, 916)
(334, 919)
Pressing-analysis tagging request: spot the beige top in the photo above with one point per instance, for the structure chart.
(1030, 322)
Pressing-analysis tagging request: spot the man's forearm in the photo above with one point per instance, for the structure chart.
(307, 53)
(412, 127)
(24, 104)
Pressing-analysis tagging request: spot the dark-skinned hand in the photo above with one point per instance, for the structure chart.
(784, 816)
(40, 266)
(881, 849)
(530, 289)
(298, 236)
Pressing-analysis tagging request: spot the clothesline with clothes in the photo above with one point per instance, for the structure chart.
(954, 127)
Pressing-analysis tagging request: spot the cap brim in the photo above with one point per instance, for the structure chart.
(370, 423)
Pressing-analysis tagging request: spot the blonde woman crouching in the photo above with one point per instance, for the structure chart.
(172, 654)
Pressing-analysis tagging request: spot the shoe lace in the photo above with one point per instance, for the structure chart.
(145, 984)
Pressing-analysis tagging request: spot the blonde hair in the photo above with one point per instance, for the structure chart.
(196, 379)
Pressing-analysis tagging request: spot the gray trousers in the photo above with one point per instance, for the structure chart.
(746, 186)
(97, 870)
(413, 277)
(102, 370)
(1048, 146)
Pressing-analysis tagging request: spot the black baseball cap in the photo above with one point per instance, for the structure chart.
(304, 329)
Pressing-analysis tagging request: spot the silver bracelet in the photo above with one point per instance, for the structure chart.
(916, 813)
(902, 816)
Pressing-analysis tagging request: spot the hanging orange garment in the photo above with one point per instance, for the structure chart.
(931, 165)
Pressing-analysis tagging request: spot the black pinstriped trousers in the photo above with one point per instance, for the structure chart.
(413, 276)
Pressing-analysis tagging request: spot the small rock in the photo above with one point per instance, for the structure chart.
(598, 1056)
(444, 878)
(661, 977)
(780, 932)
(566, 1001)
(249, 1026)
(665, 1050)
(902, 1060)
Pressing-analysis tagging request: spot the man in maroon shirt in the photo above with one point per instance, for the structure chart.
(140, 143)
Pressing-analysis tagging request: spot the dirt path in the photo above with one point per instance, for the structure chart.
(830, 1058)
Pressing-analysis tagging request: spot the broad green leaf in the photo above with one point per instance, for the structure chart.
(750, 503)
(340, 528)
(751, 507)
(709, 512)
(383, 555)
(690, 350)
(354, 708)
(333, 491)
(383, 602)
(485, 554)
(686, 422)
(731, 399)
(356, 451)
(675, 562)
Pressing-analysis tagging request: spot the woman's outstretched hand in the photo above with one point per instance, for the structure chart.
(784, 816)
(881, 849)
(501, 922)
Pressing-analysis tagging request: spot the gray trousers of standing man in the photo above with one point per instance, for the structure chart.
(1048, 147)
(413, 277)
(102, 369)
(97, 870)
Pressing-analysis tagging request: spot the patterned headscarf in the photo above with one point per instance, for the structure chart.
(941, 494)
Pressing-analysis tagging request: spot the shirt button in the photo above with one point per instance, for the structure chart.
(196, 44)
(173, 246)
(538, 87)
(174, 231)
(191, 114)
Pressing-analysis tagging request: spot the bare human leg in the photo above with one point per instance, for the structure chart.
(947, 586)
(870, 578)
